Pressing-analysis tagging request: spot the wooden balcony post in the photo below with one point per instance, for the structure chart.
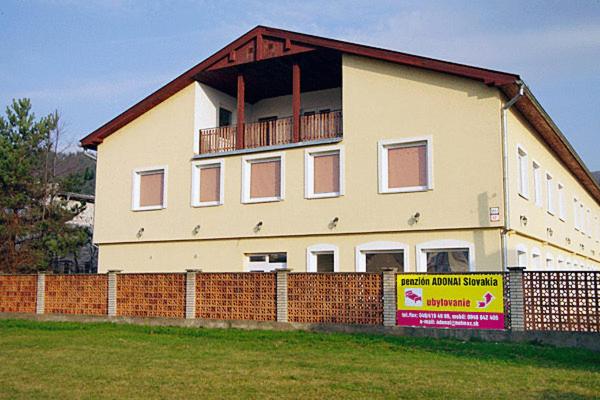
(240, 111)
(296, 102)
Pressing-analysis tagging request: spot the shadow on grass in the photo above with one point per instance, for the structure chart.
(510, 353)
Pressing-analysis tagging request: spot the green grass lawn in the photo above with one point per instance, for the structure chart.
(68, 360)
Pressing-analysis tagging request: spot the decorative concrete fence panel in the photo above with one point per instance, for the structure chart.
(340, 298)
(18, 293)
(236, 296)
(151, 295)
(76, 294)
(561, 301)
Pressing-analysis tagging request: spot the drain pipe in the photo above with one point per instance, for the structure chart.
(504, 116)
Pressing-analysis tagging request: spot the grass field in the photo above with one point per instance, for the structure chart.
(68, 360)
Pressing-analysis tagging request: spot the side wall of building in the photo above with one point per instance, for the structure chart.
(536, 226)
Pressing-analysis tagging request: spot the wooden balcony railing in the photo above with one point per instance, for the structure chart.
(272, 133)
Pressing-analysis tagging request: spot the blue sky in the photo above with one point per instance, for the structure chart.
(92, 59)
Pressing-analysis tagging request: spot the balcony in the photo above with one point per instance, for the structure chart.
(276, 132)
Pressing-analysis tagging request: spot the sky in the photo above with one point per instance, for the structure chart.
(92, 59)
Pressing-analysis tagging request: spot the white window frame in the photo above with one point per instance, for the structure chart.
(522, 249)
(309, 171)
(384, 145)
(250, 266)
(550, 258)
(360, 256)
(523, 171)
(196, 167)
(549, 193)
(535, 252)
(561, 201)
(444, 244)
(560, 263)
(537, 183)
(135, 187)
(246, 175)
(576, 213)
(582, 226)
(588, 222)
(321, 248)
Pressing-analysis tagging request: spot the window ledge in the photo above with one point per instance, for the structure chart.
(406, 190)
(262, 200)
(149, 208)
(267, 148)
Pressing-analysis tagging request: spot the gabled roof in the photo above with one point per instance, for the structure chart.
(263, 42)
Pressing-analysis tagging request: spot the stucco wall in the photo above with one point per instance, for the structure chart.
(225, 255)
(520, 133)
(380, 101)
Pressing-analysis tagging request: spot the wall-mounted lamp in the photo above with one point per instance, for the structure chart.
(582, 246)
(258, 226)
(568, 240)
(549, 231)
(140, 233)
(196, 230)
(333, 223)
(417, 216)
(523, 220)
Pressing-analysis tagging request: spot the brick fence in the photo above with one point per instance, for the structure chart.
(534, 301)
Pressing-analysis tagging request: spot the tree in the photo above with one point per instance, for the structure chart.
(32, 216)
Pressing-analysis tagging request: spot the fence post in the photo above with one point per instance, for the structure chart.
(112, 292)
(517, 307)
(190, 293)
(40, 298)
(389, 296)
(282, 294)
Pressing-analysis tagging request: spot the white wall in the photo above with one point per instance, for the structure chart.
(281, 106)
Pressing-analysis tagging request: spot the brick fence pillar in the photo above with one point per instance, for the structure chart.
(282, 294)
(517, 306)
(112, 292)
(389, 297)
(40, 298)
(190, 293)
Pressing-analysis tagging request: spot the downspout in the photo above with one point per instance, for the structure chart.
(505, 180)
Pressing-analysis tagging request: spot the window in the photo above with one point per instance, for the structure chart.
(576, 213)
(263, 178)
(405, 165)
(265, 262)
(322, 258)
(377, 256)
(537, 184)
(207, 183)
(561, 202)
(581, 218)
(324, 172)
(149, 189)
(523, 173)
(588, 223)
(549, 261)
(224, 117)
(445, 256)
(550, 193)
(536, 258)
(522, 256)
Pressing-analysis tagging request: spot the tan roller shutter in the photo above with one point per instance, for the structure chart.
(407, 166)
(265, 179)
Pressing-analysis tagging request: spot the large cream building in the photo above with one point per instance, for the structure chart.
(285, 149)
